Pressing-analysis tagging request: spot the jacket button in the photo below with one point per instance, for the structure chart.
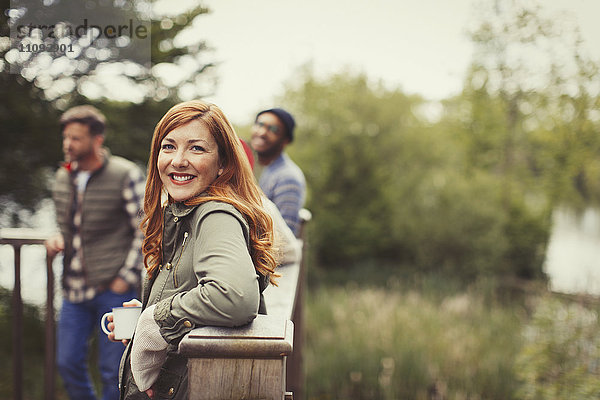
(176, 219)
(171, 391)
(168, 266)
(187, 324)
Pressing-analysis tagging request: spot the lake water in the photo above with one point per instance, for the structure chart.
(573, 254)
(572, 261)
(33, 261)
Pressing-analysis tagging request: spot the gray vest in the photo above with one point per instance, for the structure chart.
(106, 230)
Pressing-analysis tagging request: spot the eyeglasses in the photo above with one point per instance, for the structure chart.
(270, 128)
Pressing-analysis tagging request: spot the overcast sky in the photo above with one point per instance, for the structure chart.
(417, 46)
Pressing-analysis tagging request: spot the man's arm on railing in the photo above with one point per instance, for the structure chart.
(54, 245)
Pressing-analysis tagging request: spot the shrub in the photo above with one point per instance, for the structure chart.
(561, 355)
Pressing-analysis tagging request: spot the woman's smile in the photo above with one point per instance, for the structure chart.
(181, 178)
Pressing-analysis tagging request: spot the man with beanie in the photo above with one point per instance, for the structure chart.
(281, 180)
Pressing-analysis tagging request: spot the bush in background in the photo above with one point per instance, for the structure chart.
(386, 185)
(561, 355)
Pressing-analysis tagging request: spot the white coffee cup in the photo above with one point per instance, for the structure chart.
(124, 319)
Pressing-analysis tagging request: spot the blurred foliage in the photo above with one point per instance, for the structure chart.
(29, 115)
(387, 185)
(469, 191)
(143, 70)
(410, 340)
(529, 108)
(560, 358)
(430, 336)
(31, 142)
(33, 349)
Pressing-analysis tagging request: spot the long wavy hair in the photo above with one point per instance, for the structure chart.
(235, 186)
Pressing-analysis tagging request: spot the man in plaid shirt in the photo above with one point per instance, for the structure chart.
(98, 199)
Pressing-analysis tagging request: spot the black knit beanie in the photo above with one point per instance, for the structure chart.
(286, 119)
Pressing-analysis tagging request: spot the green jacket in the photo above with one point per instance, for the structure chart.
(207, 278)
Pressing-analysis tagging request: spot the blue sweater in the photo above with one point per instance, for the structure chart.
(283, 183)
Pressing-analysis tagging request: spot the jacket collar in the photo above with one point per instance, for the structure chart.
(180, 209)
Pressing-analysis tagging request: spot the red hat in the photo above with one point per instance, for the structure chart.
(248, 152)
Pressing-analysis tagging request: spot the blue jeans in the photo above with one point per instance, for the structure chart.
(77, 323)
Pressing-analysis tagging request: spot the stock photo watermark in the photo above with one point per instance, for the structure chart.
(94, 32)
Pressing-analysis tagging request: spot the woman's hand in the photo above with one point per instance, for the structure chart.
(132, 303)
(111, 325)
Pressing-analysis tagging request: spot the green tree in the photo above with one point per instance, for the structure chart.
(135, 62)
(388, 186)
(31, 142)
(29, 115)
(566, 137)
(346, 147)
(526, 117)
(529, 108)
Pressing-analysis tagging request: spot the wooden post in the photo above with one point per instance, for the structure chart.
(295, 371)
(295, 363)
(17, 328)
(50, 356)
(239, 363)
(17, 237)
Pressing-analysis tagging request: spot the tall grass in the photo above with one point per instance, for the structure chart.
(392, 343)
(432, 337)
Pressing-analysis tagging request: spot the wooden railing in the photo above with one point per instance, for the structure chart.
(251, 362)
(262, 360)
(18, 238)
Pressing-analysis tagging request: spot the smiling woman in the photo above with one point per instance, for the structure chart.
(207, 251)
